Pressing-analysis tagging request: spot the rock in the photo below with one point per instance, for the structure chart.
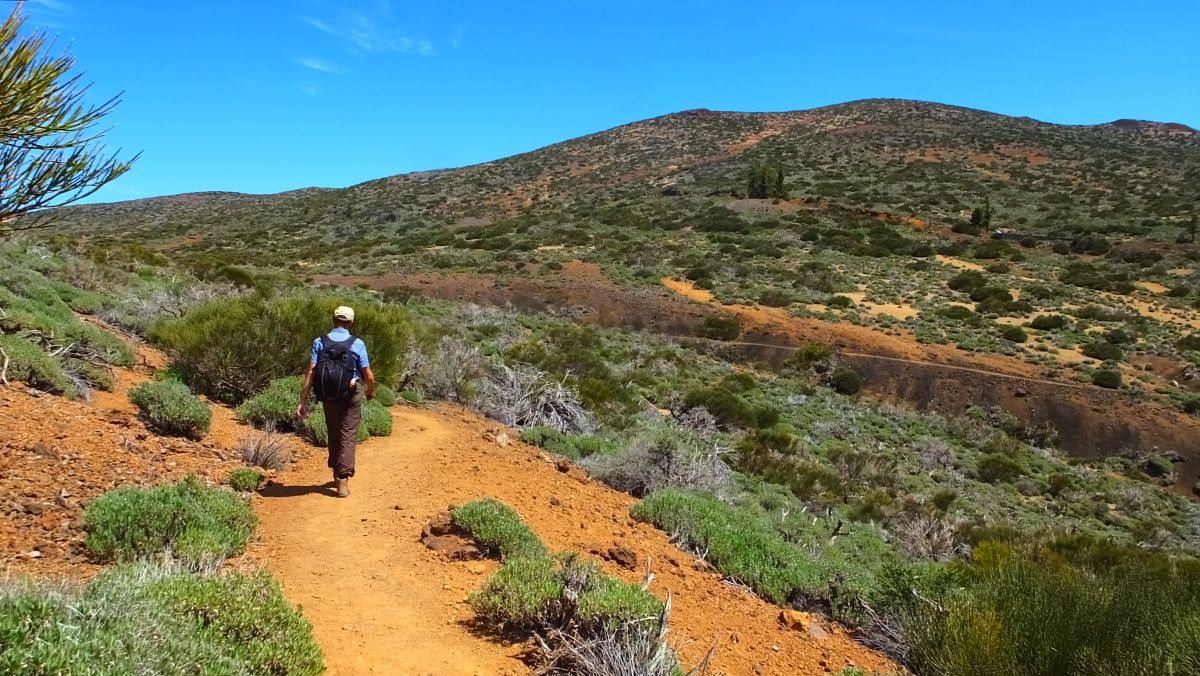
(563, 465)
(794, 620)
(35, 509)
(442, 536)
(477, 568)
(453, 547)
(623, 556)
(1021, 391)
(442, 524)
(555, 501)
(817, 631)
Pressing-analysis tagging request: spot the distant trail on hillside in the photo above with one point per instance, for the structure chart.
(380, 602)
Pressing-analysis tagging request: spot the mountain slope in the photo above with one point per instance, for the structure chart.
(905, 157)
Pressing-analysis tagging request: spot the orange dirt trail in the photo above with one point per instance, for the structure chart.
(380, 602)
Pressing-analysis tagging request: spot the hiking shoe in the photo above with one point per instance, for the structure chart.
(343, 488)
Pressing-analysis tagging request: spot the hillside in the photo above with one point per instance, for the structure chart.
(907, 158)
(751, 451)
(1094, 219)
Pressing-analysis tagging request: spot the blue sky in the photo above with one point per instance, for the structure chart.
(274, 95)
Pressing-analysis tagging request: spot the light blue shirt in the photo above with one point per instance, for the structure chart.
(358, 349)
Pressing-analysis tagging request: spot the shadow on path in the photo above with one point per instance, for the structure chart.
(278, 490)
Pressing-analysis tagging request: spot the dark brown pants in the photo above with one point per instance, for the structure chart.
(343, 418)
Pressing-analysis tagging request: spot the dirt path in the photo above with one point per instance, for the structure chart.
(380, 602)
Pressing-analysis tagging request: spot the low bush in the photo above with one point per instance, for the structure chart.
(1039, 615)
(665, 456)
(585, 620)
(845, 381)
(1048, 322)
(222, 347)
(385, 395)
(997, 468)
(194, 522)
(731, 410)
(1189, 343)
(1013, 334)
(267, 450)
(1101, 313)
(497, 527)
(956, 312)
(571, 446)
(523, 396)
(1107, 378)
(35, 367)
(844, 302)
(376, 421)
(838, 577)
(1103, 350)
(155, 620)
(244, 479)
(171, 408)
(275, 406)
(719, 327)
(808, 356)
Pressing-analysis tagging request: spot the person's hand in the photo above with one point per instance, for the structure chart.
(370, 393)
(302, 410)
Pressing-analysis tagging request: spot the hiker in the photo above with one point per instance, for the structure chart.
(336, 374)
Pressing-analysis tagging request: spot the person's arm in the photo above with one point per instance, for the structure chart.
(302, 409)
(369, 378)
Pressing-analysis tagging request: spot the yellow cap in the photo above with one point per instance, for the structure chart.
(344, 313)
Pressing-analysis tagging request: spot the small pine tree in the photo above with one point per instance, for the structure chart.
(976, 217)
(987, 212)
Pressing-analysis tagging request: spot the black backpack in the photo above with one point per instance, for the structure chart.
(336, 366)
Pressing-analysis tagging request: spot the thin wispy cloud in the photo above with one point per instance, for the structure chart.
(322, 66)
(376, 33)
(51, 13)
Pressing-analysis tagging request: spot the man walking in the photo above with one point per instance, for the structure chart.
(336, 373)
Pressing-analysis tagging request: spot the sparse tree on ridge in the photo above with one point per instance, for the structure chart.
(50, 154)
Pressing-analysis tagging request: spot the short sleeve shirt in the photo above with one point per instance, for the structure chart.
(359, 349)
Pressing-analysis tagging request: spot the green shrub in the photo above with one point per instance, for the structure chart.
(967, 280)
(195, 522)
(997, 468)
(957, 312)
(385, 396)
(275, 406)
(731, 410)
(171, 408)
(809, 355)
(1048, 322)
(719, 327)
(1108, 378)
(245, 479)
(844, 302)
(151, 620)
(496, 526)
(572, 446)
(376, 421)
(839, 576)
(845, 381)
(222, 350)
(35, 367)
(1013, 334)
(1189, 343)
(1103, 350)
(521, 593)
(1040, 616)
